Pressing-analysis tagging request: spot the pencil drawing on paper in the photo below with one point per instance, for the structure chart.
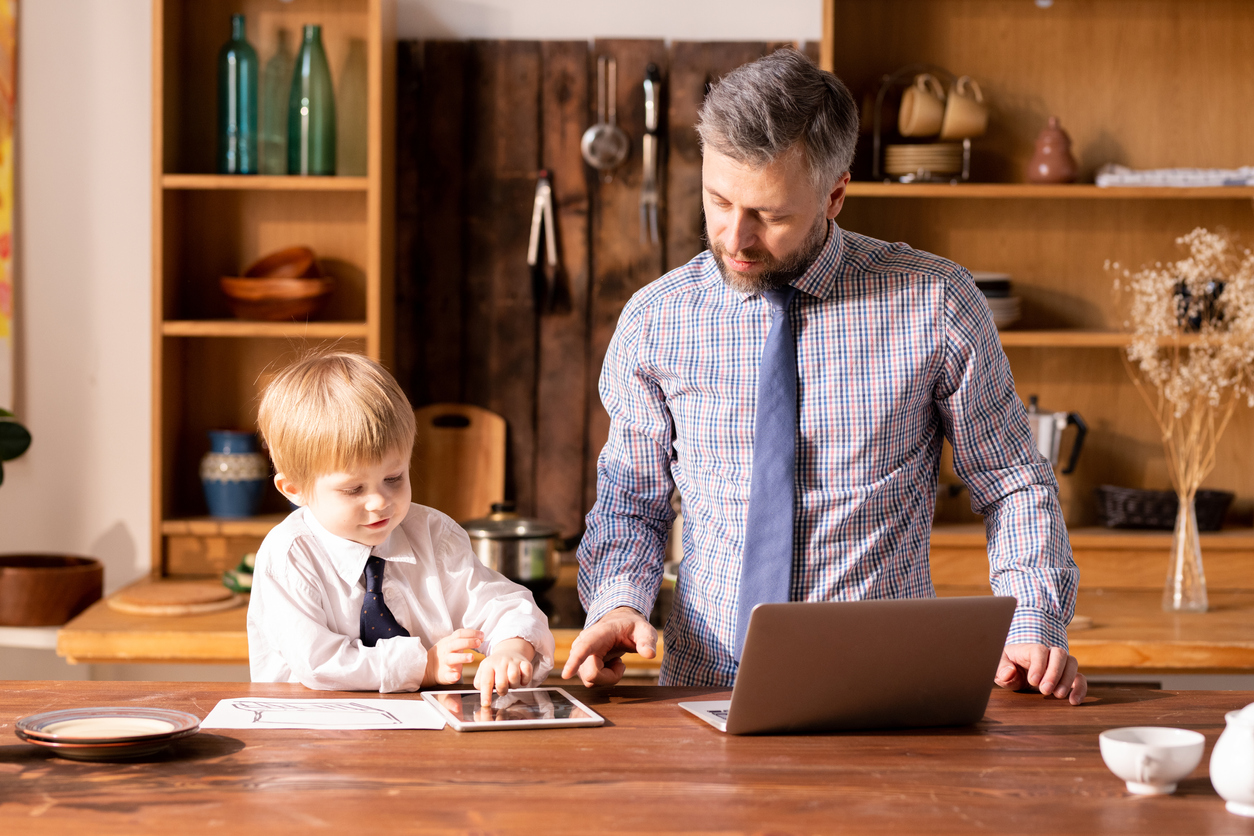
(314, 713)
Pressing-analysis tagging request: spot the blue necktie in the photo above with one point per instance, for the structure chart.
(377, 621)
(766, 565)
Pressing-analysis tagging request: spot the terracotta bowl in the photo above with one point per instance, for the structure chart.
(43, 590)
(290, 263)
(275, 299)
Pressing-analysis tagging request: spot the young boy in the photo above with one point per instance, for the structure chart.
(358, 588)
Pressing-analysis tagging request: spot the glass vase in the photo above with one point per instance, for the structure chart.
(237, 103)
(276, 89)
(311, 110)
(1185, 590)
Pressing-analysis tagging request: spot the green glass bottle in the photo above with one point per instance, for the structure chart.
(237, 103)
(311, 110)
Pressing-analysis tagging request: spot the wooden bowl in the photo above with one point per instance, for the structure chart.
(43, 590)
(290, 263)
(275, 300)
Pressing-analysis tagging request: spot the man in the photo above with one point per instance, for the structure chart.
(795, 383)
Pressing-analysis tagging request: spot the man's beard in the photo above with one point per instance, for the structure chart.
(776, 273)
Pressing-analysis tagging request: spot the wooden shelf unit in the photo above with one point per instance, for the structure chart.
(208, 368)
(1134, 82)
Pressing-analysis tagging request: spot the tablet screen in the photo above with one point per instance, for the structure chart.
(540, 704)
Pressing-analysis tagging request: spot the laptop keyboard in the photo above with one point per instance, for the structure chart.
(720, 713)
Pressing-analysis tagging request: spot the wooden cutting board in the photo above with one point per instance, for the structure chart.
(458, 465)
(174, 598)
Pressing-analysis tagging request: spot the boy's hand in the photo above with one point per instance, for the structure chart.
(445, 660)
(509, 666)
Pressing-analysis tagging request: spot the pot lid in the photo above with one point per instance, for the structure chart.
(504, 524)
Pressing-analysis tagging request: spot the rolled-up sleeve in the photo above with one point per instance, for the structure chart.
(1011, 484)
(623, 549)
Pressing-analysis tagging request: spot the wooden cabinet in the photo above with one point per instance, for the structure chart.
(209, 368)
(1143, 83)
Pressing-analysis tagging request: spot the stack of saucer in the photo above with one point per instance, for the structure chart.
(111, 733)
(996, 289)
(931, 157)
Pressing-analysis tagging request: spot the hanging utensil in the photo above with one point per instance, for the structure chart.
(649, 186)
(604, 145)
(543, 277)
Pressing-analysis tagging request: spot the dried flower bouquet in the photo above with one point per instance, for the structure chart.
(1192, 324)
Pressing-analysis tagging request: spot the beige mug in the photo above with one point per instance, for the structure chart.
(922, 107)
(966, 115)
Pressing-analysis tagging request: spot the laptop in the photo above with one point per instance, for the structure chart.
(830, 666)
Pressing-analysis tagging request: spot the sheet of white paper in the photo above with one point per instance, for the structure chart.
(261, 713)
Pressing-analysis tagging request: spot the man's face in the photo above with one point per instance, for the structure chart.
(364, 504)
(765, 225)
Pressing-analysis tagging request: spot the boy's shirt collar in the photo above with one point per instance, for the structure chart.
(349, 557)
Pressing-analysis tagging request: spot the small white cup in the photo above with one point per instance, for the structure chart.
(1151, 759)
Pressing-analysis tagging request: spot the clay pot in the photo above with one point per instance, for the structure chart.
(1052, 162)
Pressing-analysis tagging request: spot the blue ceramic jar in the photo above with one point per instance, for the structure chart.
(233, 474)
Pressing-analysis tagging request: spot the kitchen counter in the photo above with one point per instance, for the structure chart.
(1130, 634)
(103, 634)
(1031, 766)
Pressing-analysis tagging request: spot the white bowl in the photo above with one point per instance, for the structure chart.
(1151, 759)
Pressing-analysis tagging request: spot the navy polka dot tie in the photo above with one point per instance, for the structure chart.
(377, 621)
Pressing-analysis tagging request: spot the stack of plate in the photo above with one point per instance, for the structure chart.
(931, 157)
(98, 734)
(996, 289)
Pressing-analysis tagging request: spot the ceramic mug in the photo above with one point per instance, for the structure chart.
(922, 107)
(966, 115)
(1151, 759)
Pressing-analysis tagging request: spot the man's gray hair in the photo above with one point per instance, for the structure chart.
(758, 112)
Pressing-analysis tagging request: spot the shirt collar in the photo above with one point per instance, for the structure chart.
(818, 281)
(348, 558)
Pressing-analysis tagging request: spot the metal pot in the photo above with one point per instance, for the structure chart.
(521, 549)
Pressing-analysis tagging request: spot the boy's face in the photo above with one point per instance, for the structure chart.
(364, 504)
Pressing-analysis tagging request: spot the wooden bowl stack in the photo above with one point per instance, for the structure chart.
(287, 284)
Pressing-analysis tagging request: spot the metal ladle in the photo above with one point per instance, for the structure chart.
(605, 145)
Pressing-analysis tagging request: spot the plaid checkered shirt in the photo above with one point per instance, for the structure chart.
(896, 350)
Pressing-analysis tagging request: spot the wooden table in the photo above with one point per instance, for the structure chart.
(1031, 766)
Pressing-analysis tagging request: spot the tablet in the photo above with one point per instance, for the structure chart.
(521, 708)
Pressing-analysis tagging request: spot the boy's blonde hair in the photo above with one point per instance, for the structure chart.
(332, 412)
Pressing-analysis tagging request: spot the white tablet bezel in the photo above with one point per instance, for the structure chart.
(593, 719)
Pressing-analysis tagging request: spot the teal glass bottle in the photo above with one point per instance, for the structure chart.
(311, 110)
(237, 103)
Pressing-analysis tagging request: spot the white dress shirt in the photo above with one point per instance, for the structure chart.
(308, 586)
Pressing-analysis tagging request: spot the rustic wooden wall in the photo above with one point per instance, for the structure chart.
(477, 120)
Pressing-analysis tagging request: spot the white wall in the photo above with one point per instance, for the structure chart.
(84, 243)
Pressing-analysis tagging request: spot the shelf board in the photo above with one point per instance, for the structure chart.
(1069, 191)
(248, 328)
(263, 182)
(971, 535)
(258, 526)
(1064, 339)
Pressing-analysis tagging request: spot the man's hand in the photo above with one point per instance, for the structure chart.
(597, 652)
(445, 660)
(508, 666)
(1051, 669)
